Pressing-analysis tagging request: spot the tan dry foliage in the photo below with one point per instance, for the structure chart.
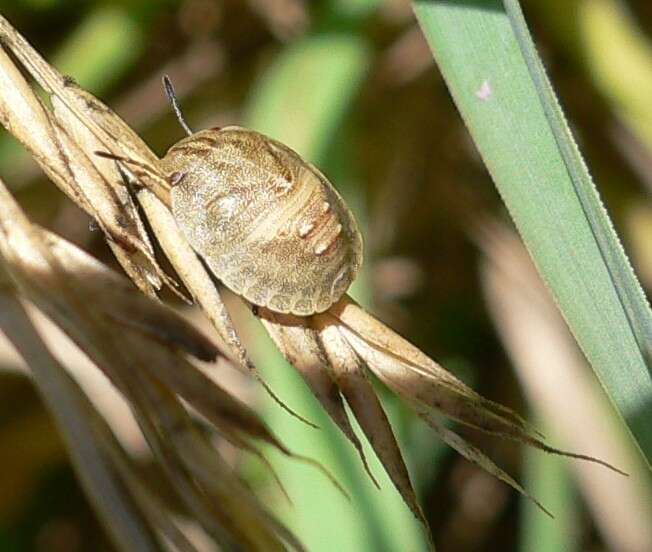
(144, 358)
(332, 351)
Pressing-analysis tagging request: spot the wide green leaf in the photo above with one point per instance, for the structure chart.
(485, 53)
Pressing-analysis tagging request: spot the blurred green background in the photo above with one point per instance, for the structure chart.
(351, 85)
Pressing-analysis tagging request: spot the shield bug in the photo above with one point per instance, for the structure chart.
(269, 225)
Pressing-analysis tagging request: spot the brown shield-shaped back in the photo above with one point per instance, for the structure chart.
(269, 225)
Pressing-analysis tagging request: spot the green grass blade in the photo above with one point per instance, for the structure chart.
(302, 99)
(486, 55)
(634, 303)
(101, 49)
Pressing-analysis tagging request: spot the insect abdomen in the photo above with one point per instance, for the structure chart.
(269, 225)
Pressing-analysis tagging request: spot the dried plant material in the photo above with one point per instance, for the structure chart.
(75, 419)
(149, 504)
(23, 114)
(475, 455)
(234, 420)
(413, 375)
(414, 368)
(350, 375)
(69, 166)
(417, 377)
(101, 120)
(225, 506)
(431, 390)
(113, 297)
(118, 203)
(139, 366)
(428, 391)
(300, 346)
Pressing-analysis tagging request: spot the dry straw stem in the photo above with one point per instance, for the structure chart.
(332, 351)
(24, 114)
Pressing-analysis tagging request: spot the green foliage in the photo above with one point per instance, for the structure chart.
(487, 58)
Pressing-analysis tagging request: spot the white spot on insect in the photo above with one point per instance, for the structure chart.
(325, 245)
(340, 282)
(305, 229)
(325, 207)
(227, 205)
(484, 92)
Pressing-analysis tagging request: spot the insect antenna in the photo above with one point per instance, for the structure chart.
(128, 161)
(172, 97)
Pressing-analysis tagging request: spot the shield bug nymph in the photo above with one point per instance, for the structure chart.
(269, 225)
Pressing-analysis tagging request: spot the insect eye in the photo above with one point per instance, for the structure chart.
(176, 177)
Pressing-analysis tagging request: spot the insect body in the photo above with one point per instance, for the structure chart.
(270, 226)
